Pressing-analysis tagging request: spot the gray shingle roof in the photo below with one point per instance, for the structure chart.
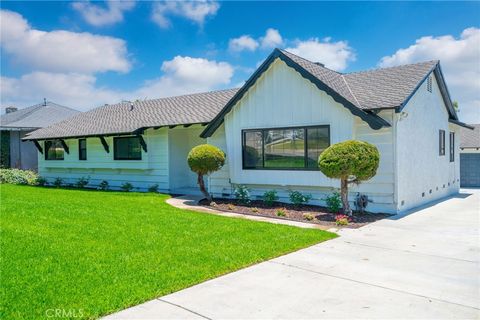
(470, 138)
(36, 116)
(373, 89)
(122, 118)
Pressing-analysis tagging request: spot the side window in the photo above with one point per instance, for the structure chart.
(441, 142)
(82, 149)
(452, 146)
(53, 150)
(127, 148)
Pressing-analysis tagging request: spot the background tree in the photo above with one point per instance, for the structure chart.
(455, 106)
(203, 160)
(350, 161)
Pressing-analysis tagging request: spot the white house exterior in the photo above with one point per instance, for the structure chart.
(288, 111)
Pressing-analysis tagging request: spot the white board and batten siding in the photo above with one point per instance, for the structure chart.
(281, 97)
(423, 174)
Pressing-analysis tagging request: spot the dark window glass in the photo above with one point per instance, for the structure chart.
(82, 149)
(318, 139)
(452, 146)
(284, 148)
(127, 148)
(441, 142)
(53, 150)
(252, 149)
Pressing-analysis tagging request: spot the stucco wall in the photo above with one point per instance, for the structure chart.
(281, 97)
(424, 175)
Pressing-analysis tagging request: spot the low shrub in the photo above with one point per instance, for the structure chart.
(58, 182)
(254, 210)
(103, 185)
(334, 202)
(242, 194)
(342, 220)
(41, 181)
(153, 188)
(127, 187)
(308, 216)
(82, 182)
(298, 198)
(17, 176)
(282, 212)
(269, 197)
(230, 206)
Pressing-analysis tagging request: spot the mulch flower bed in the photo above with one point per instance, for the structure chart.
(304, 213)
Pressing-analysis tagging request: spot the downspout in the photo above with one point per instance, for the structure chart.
(395, 153)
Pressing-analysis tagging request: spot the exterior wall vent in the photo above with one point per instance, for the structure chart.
(320, 64)
(429, 84)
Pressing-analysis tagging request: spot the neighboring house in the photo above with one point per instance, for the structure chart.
(470, 157)
(272, 131)
(15, 124)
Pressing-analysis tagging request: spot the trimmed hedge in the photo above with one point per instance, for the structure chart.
(17, 176)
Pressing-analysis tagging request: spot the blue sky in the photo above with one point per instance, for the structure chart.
(114, 51)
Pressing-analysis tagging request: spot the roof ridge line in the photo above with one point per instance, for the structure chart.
(392, 67)
(351, 92)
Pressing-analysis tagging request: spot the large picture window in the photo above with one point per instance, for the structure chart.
(284, 148)
(54, 150)
(127, 148)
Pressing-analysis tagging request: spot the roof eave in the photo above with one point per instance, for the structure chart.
(461, 124)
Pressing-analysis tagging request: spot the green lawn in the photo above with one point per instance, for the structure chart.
(91, 253)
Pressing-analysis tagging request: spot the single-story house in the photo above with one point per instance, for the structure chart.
(16, 123)
(272, 131)
(470, 157)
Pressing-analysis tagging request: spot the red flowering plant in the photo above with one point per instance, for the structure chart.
(342, 219)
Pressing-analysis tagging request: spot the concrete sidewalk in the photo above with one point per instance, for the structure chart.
(423, 265)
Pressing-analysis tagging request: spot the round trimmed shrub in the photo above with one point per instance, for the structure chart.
(205, 159)
(351, 161)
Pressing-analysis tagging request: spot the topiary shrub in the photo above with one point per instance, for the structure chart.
(351, 161)
(203, 160)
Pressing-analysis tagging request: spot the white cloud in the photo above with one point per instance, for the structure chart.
(187, 75)
(271, 39)
(181, 75)
(70, 89)
(335, 55)
(241, 43)
(60, 51)
(196, 11)
(100, 16)
(460, 61)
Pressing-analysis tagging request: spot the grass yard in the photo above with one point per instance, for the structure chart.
(91, 253)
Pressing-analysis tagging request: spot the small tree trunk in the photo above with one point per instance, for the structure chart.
(344, 196)
(201, 184)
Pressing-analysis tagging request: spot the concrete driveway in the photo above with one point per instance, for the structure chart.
(421, 265)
